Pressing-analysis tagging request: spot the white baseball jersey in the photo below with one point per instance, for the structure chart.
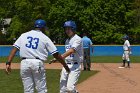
(126, 45)
(35, 44)
(76, 43)
(68, 81)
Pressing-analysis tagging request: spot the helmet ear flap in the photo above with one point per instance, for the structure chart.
(73, 29)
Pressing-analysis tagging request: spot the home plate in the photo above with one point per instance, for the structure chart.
(121, 67)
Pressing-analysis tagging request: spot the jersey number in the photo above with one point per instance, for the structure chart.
(32, 42)
(71, 55)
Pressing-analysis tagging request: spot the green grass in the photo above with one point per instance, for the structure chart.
(12, 83)
(95, 59)
(86, 74)
(17, 59)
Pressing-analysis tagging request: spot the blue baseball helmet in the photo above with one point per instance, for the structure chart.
(125, 37)
(70, 24)
(40, 23)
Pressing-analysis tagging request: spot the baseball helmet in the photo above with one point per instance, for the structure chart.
(40, 23)
(70, 24)
(125, 37)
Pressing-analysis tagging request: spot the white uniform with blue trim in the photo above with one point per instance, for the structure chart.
(68, 81)
(34, 47)
(126, 51)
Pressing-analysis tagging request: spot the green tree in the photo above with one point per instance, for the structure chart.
(106, 21)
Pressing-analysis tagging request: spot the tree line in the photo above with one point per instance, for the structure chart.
(105, 21)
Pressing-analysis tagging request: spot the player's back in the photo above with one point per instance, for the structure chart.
(126, 45)
(86, 42)
(33, 45)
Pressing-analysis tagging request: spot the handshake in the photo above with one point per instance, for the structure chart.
(63, 63)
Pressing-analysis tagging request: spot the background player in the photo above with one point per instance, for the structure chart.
(34, 47)
(87, 45)
(73, 57)
(127, 52)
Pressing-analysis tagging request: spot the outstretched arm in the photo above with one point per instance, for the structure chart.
(67, 53)
(61, 60)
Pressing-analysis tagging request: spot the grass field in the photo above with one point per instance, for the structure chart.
(12, 83)
(95, 59)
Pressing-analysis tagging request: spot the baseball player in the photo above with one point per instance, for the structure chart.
(127, 52)
(87, 45)
(73, 57)
(34, 47)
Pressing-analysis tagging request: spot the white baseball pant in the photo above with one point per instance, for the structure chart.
(126, 56)
(68, 81)
(33, 75)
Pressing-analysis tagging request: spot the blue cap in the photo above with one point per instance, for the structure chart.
(125, 37)
(40, 23)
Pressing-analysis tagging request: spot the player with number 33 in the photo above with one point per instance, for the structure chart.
(33, 47)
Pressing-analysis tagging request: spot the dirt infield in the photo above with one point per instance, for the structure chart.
(110, 79)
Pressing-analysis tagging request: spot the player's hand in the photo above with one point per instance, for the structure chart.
(53, 61)
(67, 68)
(8, 69)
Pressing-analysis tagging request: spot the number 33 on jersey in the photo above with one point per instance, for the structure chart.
(32, 42)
